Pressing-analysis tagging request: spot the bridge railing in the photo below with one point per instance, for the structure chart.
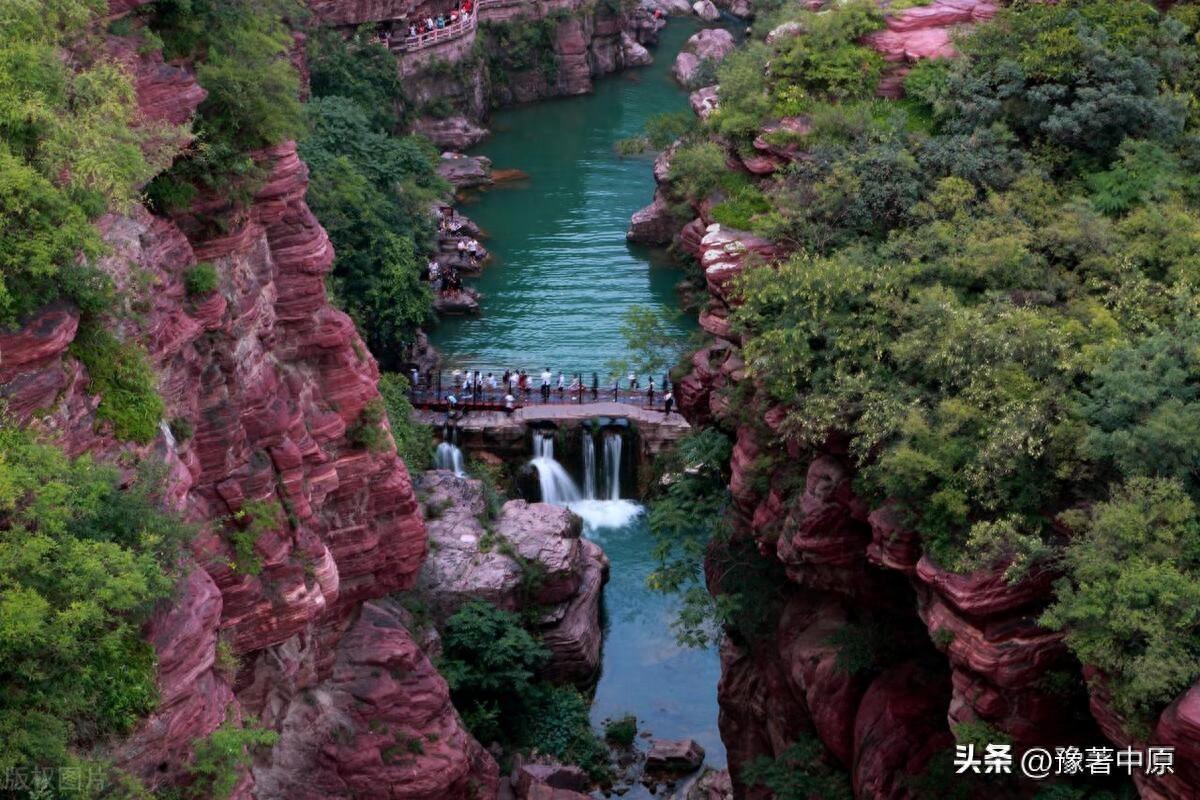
(436, 36)
(432, 397)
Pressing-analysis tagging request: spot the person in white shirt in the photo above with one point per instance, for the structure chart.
(633, 383)
(562, 383)
(509, 403)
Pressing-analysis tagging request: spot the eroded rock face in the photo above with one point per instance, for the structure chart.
(468, 561)
(453, 133)
(381, 725)
(269, 377)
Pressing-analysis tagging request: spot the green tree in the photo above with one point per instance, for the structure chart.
(1130, 603)
(83, 561)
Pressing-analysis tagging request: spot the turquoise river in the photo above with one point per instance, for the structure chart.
(562, 277)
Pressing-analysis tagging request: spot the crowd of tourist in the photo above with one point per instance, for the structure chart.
(432, 24)
(515, 387)
(444, 280)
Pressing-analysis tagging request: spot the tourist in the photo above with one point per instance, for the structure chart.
(616, 389)
(561, 385)
(414, 378)
(545, 384)
(512, 382)
(668, 401)
(633, 382)
(509, 403)
(412, 30)
(524, 383)
(461, 247)
(650, 393)
(441, 22)
(576, 387)
(491, 384)
(595, 387)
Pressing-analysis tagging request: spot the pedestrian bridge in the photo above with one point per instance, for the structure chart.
(485, 427)
(528, 405)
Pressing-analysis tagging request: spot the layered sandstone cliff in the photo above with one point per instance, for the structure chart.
(266, 378)
(965, 648)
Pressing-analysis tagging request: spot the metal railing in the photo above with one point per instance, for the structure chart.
(431, 394)
(436, 36)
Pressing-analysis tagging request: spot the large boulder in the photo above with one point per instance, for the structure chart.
(633, 53)
(711, 44)
(470, 559)
(654, 224)
(674, 756)
(705, 10)
(465, 172)
(453, 133)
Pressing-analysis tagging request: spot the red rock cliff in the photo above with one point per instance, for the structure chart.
(971, 647)
(269, 376)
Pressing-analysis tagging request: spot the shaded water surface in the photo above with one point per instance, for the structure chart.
(563, 272)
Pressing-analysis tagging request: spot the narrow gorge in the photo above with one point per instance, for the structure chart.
(552, 399)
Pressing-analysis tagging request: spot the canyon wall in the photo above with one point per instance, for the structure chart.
(957, 648)
(472, 73)
(262, 379)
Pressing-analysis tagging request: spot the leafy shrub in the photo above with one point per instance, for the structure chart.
(86, 559)
(182, 429)
(69, 151)
(800, 772)
(241, 50)
(663, 129)
(414, 441)
(558, 725)
(1025, 70)
(366, 432)
(119, 373)
(250, 523)
(221, 757)
(200, 279)
(1129, 602)
(697, 170)
(621, 731)
(490, 662)
(360, 69)
(372, 192)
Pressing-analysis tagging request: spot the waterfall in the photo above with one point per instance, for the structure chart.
(556, 485)
(589, 465)
(612, 464)
(449, 457)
